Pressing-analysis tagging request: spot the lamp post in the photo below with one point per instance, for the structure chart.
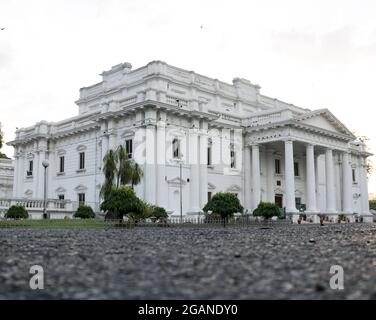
(45, 164)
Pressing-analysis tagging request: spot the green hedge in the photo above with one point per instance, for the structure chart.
(267, 210)
(372, 204)
(17, 212)
(84, 212)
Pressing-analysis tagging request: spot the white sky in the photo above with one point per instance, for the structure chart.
(311, 53)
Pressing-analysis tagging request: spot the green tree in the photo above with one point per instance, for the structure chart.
(160, 213)
(136, 173)
(225, 204)
(120, 202)
(372, 204)
(119, 171)
(267, 210)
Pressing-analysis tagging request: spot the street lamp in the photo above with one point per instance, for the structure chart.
(180, 161)
(45, 164)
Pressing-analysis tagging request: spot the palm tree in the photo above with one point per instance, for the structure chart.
(137, 174)
(110, 171)
(119, 170)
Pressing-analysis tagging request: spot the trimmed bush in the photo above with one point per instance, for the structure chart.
(224, 204)
(84, 212)
(122, 201)
(17, 212)
(267, 210)
(159, 213)
(372, 204)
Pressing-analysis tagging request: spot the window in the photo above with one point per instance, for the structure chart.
(277, 166)
(61, 164)
(29, 172)
(176, 148)
(81, 199)
(353, 176)
(129, 148)
(298, 202)
(209, 196)
(278, 182)
(61, 204)
(209, 156)
(233, 159)
(82, 161)
(296, 169)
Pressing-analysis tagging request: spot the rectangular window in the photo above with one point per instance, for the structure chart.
(81, 199)
(29, 172)
(82, 161)
(209, 156)
(353, 176)
(296, 169)
(129, 148)
(233, 159)
(298, 202)
(277, 166)
(61, 164)
(176, 148)
(61, 197)
(278, 182)
(209, 196)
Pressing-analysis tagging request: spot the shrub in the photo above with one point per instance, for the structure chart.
(17, 212)
(84, 212)
(122, 201)
(159, 213)
(224, 204)
(372, 204)
(267, 210)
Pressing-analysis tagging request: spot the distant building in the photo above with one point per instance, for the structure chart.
(227, 137)
(6, 178)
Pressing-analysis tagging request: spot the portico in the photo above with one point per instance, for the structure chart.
(302, 148)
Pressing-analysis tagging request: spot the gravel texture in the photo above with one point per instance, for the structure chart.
(283, 262)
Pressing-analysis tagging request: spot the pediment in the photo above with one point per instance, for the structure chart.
(60, 190)
(80, 187)
(176, 181)
(324, 119)
(211, 186)
(233, 188)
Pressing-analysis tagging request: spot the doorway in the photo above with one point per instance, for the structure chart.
(278, 199)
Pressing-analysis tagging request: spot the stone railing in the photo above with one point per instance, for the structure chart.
(266, 118)
(37, 204)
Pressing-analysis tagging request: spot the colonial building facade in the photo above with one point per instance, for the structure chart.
(198, 136)
(6, 178)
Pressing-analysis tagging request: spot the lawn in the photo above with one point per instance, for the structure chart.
(63, 223)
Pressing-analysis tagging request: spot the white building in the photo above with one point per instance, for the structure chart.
(228, 137)
(6, 178)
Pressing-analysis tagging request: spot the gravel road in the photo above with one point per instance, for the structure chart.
(284, 262)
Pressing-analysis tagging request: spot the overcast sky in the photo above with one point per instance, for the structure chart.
(314, 54)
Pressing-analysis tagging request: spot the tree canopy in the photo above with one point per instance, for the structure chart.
(224, 203)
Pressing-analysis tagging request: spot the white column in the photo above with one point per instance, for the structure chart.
(16, 173)
(247, 179)
(329, 174)
(40, 175)
(150, 169)
(19, 179)
(311, 179)
(337, 183)
(204, 165)
(256, 192)
(364, 186)
(270, 175)
(194, 180)
(162, 191)
(347, 183)
(289, 178)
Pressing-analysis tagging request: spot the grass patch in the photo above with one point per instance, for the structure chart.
(63, 223)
